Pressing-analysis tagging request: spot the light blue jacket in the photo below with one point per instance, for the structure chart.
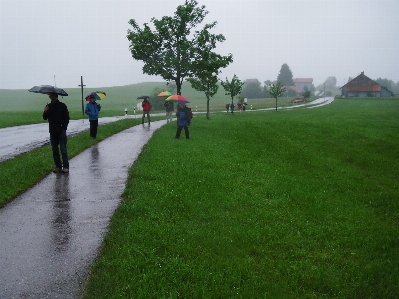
(92, 110)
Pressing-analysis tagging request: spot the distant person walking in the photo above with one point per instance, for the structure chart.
(227, 107)
(183, 115)
(146, 105)
(232, 107)
(169, 109)
(92, 110)
(57, 115)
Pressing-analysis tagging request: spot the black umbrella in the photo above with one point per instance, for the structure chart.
(142, 97)
(47, 89)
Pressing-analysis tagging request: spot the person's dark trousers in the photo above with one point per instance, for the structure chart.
(59, 140)
(93, 128)
(148, 117)
(178, 132)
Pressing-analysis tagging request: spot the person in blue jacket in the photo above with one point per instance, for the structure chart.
(183, 115)
(92, 110)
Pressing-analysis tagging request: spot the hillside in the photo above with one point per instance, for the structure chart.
(118, 97)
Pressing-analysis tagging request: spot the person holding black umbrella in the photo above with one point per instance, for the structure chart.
(57, 115)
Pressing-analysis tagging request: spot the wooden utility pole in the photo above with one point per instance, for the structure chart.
(81, 85)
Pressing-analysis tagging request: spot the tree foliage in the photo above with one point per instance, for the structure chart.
(386, 83)
(285, 76)
(306, 94)
(252, 90)
(156, 102)
(175, 49)
(232, 87)
(208, 84)
(291, 92)
(330, 83)
(276, 90)
(206, 68)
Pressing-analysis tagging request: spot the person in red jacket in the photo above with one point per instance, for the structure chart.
(146, 110)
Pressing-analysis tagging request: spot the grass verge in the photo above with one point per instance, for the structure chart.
(288, 204)
(25, 170)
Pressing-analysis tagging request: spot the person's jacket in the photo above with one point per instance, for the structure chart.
(146, 105)
(92, 110)
(168, 106)
(183, 116)
(57, 116)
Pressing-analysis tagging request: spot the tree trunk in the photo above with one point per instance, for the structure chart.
(207, 108)
(178, 86)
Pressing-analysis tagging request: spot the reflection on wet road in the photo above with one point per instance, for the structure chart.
(50, 234)
(21, 139)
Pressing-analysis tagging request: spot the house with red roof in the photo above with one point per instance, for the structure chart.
(302, 82)
(362, 86)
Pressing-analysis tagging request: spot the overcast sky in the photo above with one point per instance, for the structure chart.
(57, 41)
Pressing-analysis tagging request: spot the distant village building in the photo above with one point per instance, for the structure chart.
(362, 86)
(297, 90)
(302, 82)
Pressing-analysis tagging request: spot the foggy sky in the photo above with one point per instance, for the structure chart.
(57, 41)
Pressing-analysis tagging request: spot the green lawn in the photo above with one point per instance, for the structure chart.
(287, 204)
(20, 107)
(299, 203)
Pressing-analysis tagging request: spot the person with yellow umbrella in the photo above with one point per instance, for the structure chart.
(168, 105)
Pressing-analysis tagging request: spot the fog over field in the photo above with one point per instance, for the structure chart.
(57, 41)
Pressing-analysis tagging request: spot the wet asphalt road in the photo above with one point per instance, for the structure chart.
(51, 234)
(21, 139)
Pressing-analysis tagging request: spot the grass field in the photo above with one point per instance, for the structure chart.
(287, 204)
(299, 203)
(13, 102)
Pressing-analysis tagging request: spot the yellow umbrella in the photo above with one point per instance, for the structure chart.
(165, 94)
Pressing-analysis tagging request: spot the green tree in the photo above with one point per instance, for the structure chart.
(265, 90)
(206, 67)
(268, 82)
(208, 83)
(306, 94)
(232, 87)
(291, 92)
(173, 49)
(385, 83)
(156, 102)
(285, 76)
(331, 83)
(276, 90)
(251, 90)
(171, 87)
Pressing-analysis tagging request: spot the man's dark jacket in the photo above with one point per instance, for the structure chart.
(58, 117)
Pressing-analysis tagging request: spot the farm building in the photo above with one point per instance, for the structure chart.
(294, 88)
(302, 82)
(363, 86)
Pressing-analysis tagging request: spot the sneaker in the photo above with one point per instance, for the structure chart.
(65, 170)
(57, 170)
